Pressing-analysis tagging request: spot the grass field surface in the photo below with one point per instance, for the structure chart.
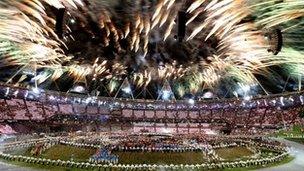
(233, 153)
(160, 158)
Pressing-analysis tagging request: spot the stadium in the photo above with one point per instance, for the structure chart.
(151, 85)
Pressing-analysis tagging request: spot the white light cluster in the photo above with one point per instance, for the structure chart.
(191, 101)
(166, 95)
(127, 90)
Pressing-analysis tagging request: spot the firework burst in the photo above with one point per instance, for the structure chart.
(225, 40)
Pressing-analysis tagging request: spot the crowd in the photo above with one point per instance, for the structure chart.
(264, 112)
(6, 129)
(241, 116)
(104, 156)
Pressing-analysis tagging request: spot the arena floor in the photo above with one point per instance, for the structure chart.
(10, 167)
(297, 150)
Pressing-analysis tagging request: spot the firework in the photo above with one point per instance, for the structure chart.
(195, 15)
(238, 28)
(281, 12)
(195, 5)
(25, 42)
